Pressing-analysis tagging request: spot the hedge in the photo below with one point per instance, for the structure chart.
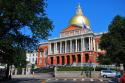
(80, 68)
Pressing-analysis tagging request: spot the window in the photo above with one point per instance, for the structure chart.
(77, 32)
(71, 33)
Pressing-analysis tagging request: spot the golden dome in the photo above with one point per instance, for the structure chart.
(79, 20)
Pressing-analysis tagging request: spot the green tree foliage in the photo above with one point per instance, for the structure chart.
(104, 59)
(114, 40)
(20, 58)
(16, 15)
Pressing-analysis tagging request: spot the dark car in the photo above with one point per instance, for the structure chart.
(41, 70)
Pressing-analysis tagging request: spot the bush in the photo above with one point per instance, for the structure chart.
(74, 68)
(82, 68)
(41, 70)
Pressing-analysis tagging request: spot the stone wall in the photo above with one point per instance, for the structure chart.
(77, 74)
(23, 71)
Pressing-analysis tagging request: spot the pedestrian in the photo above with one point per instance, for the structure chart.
(33, 74)
(81, 73)
(86, 72)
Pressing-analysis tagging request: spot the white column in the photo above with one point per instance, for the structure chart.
(94, 44)
(89, 44)
(15, 73)
(50, 48)
(83, 41)
(60, 46)
(56, 47)
(50, 51)
(97, 47)
(81, 44)
(65, 46)
(23, 69)
(70, 45)
(76, 46)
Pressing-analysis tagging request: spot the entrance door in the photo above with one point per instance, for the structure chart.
(74, 58)
(68, 59)
(62, 60)
(57, 59)
(51, 60)
(86, 57)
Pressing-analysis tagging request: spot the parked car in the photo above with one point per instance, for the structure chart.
(41, 70)
(108, 73)
(116, 79)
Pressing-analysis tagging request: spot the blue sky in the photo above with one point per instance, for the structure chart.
(99, 12)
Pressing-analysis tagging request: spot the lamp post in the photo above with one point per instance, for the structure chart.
(90, 63)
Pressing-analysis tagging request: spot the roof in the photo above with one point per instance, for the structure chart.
(43, 46)
(70, 28)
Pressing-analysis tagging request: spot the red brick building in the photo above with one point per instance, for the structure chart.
(77, 44)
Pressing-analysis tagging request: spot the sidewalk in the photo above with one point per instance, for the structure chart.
(35, 76)
(48, 76)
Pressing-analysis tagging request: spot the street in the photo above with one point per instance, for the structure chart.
(56, 80)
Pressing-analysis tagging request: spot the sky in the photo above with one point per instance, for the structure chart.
(99, 13)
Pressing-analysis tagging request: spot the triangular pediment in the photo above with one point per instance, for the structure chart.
(71, 28)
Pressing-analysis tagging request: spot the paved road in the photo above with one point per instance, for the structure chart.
(86, 80)
(77, 81)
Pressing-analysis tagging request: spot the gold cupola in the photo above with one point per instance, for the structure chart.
(79, 19)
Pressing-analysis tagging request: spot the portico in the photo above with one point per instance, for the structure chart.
(71, 45)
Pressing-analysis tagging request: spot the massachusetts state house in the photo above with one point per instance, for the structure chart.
(77, 44)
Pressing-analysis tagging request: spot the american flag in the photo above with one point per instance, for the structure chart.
(84, 26)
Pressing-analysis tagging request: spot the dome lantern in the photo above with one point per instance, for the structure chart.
(79, 10)
(79, 19)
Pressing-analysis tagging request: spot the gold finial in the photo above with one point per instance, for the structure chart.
(79, 19)
(79, 10)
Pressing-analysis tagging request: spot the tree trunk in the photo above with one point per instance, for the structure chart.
(7, 73)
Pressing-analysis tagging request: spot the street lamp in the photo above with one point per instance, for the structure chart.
(90, 64)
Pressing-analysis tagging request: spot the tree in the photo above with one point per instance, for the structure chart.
(104, 59)
(16, 15)
(114, 40)
(20, 58)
